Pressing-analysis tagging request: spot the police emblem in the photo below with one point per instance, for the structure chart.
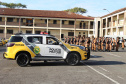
(36, 50)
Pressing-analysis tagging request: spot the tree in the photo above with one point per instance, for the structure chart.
(77, 10)
(13, 5)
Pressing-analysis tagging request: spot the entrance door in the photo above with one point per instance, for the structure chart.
(62, 35)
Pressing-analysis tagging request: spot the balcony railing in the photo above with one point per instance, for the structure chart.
(109, 24)
(2, 23)
(121, 22)
(13, 23)
(40, 25)
(54, 25)
(114, 23)
(67, 26)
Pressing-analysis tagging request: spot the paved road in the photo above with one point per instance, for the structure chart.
(102, 68)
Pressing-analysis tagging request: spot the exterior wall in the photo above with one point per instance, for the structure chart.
(40, 25)
(118, 24)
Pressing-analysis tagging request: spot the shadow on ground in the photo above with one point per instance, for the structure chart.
(90, 62)
(59, 63)
(95, 63)
(93, 56)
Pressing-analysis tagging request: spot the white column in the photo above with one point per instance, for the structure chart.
(124, 23)
(60, 28)
(19, 24)
(88, 28)
(5, 30)
(33, 26)
(111, 25)
(101, 28)
(47, 25)
(75, 28)
(117, 29)
(106, 26)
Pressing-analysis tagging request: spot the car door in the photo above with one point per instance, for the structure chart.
(52, 48)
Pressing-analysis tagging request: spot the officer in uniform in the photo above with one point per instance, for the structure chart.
(75, 40)
(68, 40)
(92, 44)
(95, 41)
(110, 44)
(117, 44)
(103, 44)
(123, 41)
(113, 44)
(71, 40)
(99, 44)
(65, 41)
(107, 43)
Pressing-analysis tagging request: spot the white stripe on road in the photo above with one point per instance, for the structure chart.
(102, 74)
(113, 55)
(120, 77)
(103, 69)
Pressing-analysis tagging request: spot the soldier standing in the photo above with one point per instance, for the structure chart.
(114, 44)
(65, 41)
(123, 41)
(117, 44)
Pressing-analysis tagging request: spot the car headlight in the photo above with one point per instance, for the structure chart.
(82, 48)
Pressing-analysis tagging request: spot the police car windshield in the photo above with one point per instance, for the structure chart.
(15, 39)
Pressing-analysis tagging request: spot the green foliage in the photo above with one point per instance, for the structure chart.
(77, 10)
(13, 5)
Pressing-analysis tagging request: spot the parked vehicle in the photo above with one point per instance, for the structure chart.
(36, 47)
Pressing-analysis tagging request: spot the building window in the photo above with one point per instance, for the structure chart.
(91, 23)
(0, 18)
(54, 21)
(9, 31)
(70, 33)
(71, 22)
(63, 21)
(9, 19)
(28, 32)
(1, 30)
(83, 32)
(37, 32)
(18, 19)
(29, 22)
(45, 21)
(79, 32)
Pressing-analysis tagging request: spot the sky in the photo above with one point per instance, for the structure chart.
(94, 7)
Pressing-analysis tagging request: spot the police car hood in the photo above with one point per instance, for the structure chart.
(69, 45)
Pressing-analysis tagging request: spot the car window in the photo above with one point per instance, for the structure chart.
(36, 40)
(52, 41)
(15, 39)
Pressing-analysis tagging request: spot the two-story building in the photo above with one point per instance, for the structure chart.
(58, 23)
(114, 23)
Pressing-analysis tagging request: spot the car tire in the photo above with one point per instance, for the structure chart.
(22, 59)
(72, 59)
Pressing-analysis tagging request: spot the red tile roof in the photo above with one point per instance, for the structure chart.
(41, 13)
(120, 10)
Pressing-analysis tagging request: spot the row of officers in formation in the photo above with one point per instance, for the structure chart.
(100, 44)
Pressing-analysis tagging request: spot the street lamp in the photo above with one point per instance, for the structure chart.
(106, 9)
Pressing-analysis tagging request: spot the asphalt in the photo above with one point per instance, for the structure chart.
(101, 68)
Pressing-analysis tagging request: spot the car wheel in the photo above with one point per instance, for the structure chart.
(73, 59)
(23, 59)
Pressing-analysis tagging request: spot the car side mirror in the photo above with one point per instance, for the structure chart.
(60, 43)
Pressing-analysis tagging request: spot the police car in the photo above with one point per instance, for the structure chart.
(36, 47)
